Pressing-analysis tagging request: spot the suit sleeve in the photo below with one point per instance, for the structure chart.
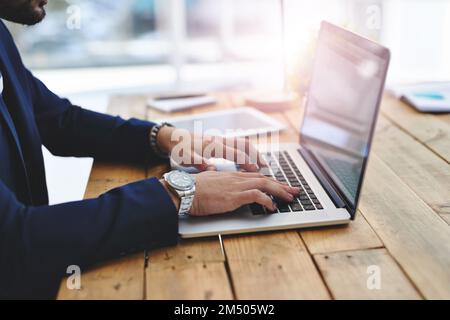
(69, 130)
(37, 244)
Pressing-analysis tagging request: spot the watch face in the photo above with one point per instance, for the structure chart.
(180, 180)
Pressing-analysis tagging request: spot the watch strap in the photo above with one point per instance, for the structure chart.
(153, 136)
(186, 205)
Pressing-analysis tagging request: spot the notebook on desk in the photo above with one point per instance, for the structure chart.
(433, 97)
(181, 102)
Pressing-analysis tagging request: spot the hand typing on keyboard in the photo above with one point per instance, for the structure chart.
(283, 169)
(219, 192)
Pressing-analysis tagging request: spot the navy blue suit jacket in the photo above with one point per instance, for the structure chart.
(37, 241)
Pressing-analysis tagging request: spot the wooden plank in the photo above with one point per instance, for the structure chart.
(431, 130)
(411, 231)
(207, 281)
(194, 269)
(116, 280)
(272, 266)
(122, 278)
(347, 275)
(422, 170)
(356, 235)
(107, 176)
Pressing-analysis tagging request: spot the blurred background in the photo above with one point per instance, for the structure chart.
(88, 50)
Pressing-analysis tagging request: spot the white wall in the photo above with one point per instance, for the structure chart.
(418, 34)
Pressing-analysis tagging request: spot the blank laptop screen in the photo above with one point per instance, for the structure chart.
(346, 84)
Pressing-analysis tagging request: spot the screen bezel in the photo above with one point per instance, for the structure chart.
(384, 54)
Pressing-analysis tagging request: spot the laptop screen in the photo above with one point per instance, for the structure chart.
(342, 105)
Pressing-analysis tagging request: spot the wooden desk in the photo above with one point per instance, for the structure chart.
(403, 228)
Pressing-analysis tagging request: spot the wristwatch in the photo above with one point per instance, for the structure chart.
(183, 185)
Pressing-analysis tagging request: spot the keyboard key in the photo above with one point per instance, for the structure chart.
(296, 206)
(284, 209)
(284, 170)
(306, 202)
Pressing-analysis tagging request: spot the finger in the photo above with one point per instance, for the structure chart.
(197, 162)
(252, 175)
(271, 187)
(241, 158)
(248, 147)
(255, 196)
(233, 149)
(255, 155)
(248, 175)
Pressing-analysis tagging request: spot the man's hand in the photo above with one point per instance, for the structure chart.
(220, 192)
(191, 150)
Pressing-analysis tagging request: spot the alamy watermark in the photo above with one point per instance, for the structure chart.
(373, 17)
(74, 279)
(374, 279)
(74, 15)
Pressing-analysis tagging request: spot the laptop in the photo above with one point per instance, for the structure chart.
(329, 162)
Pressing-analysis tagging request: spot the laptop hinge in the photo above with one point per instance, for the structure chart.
(326, 184)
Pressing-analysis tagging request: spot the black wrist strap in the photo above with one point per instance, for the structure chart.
(154, 139)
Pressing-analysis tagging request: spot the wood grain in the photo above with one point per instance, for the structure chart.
(417, 238)
(194, 269)
(273, 266)
(422, 170)
(356, 235)
(430, 129)
(116, 280)
(347, 275)
(407, 175)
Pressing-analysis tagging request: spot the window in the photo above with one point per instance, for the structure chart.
(93, 33)
(88, 33)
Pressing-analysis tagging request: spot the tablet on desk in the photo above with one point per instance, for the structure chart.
(239, 122)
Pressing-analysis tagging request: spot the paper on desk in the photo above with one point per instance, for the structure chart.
(426, 97)
(171, 105)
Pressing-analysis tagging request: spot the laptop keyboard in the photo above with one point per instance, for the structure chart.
(282, 168)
